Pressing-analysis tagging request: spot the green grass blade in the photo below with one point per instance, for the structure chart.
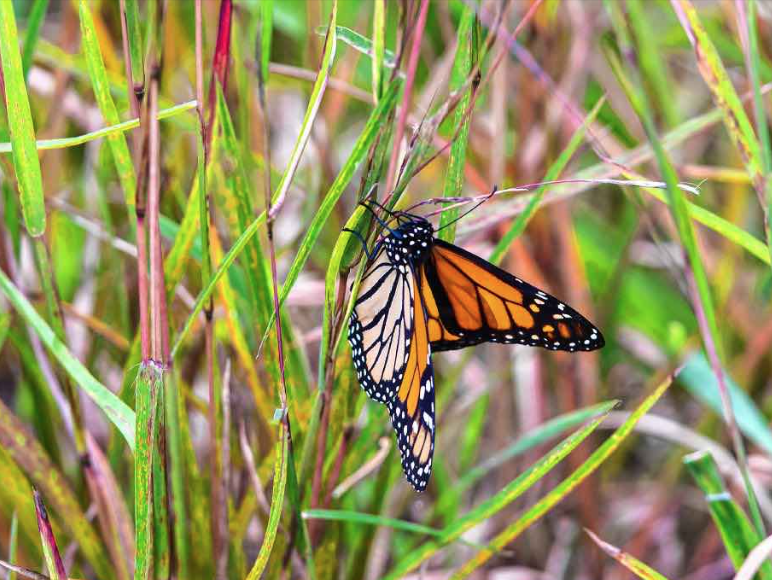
(724, 94)
(529, 440)
(134, 37)
(64, 142)
(552, 174)
(755, 560)
(116, 410)
(146, 393)
(314, 103)
(360, 43)
(101, 86)
(652, 67)
(635, 566)
(25, 155)
(499, 501)
(21, 452)
(462, 66)
(361, 147)
(379, 47)
(37, 15)
(700, 291)
(700, 380)
(543, 506)
(737, 532)
(277, 502)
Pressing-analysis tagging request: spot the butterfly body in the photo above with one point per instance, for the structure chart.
(419, 295)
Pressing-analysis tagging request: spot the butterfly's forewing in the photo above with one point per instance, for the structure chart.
(381, 326)
(469, 301)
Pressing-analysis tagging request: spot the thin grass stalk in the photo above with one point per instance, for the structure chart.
(37, 15)
(286, 432)
(128, 64)
(56, 317)
(748, 22)
(696, 277)
(415, 52)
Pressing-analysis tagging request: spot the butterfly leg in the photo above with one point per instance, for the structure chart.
(362, 240)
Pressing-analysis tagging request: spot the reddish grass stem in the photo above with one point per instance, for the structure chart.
(415, 52)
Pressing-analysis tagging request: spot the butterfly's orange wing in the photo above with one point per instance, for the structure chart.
(412, 409)
(469, 301)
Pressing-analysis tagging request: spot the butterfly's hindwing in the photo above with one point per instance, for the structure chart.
(412, 410)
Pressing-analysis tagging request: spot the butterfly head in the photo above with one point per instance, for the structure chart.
(411, 241)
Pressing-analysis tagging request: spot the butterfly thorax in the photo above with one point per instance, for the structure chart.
(410, 243)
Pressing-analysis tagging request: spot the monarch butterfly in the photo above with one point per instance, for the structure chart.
(420, 294)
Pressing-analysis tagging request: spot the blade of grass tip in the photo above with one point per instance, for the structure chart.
(50, 550)
(565, 487)
(277, 502)
(37, 15)
(500, 500)
(415, 52)
(633, 564)
(696, 276)
(753, 64)
(358, 153)
(25, 156)
(379, 47)
(462, 67)
(100, 84)
(13, 542)
(116, 410)
(736, 120)
(147, 392)
(757, 558)
(737, 532)
(552, 174)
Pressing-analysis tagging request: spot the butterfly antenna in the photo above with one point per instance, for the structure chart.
(467, 212)
(364, 204)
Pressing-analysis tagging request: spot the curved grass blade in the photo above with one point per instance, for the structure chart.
(116, 410)
(25, 155)
(499, 501)
(565, 487)
(101, 86)
(37, 15)
(466, 50)
(64, 142)
(361, 147)
(552, 174)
